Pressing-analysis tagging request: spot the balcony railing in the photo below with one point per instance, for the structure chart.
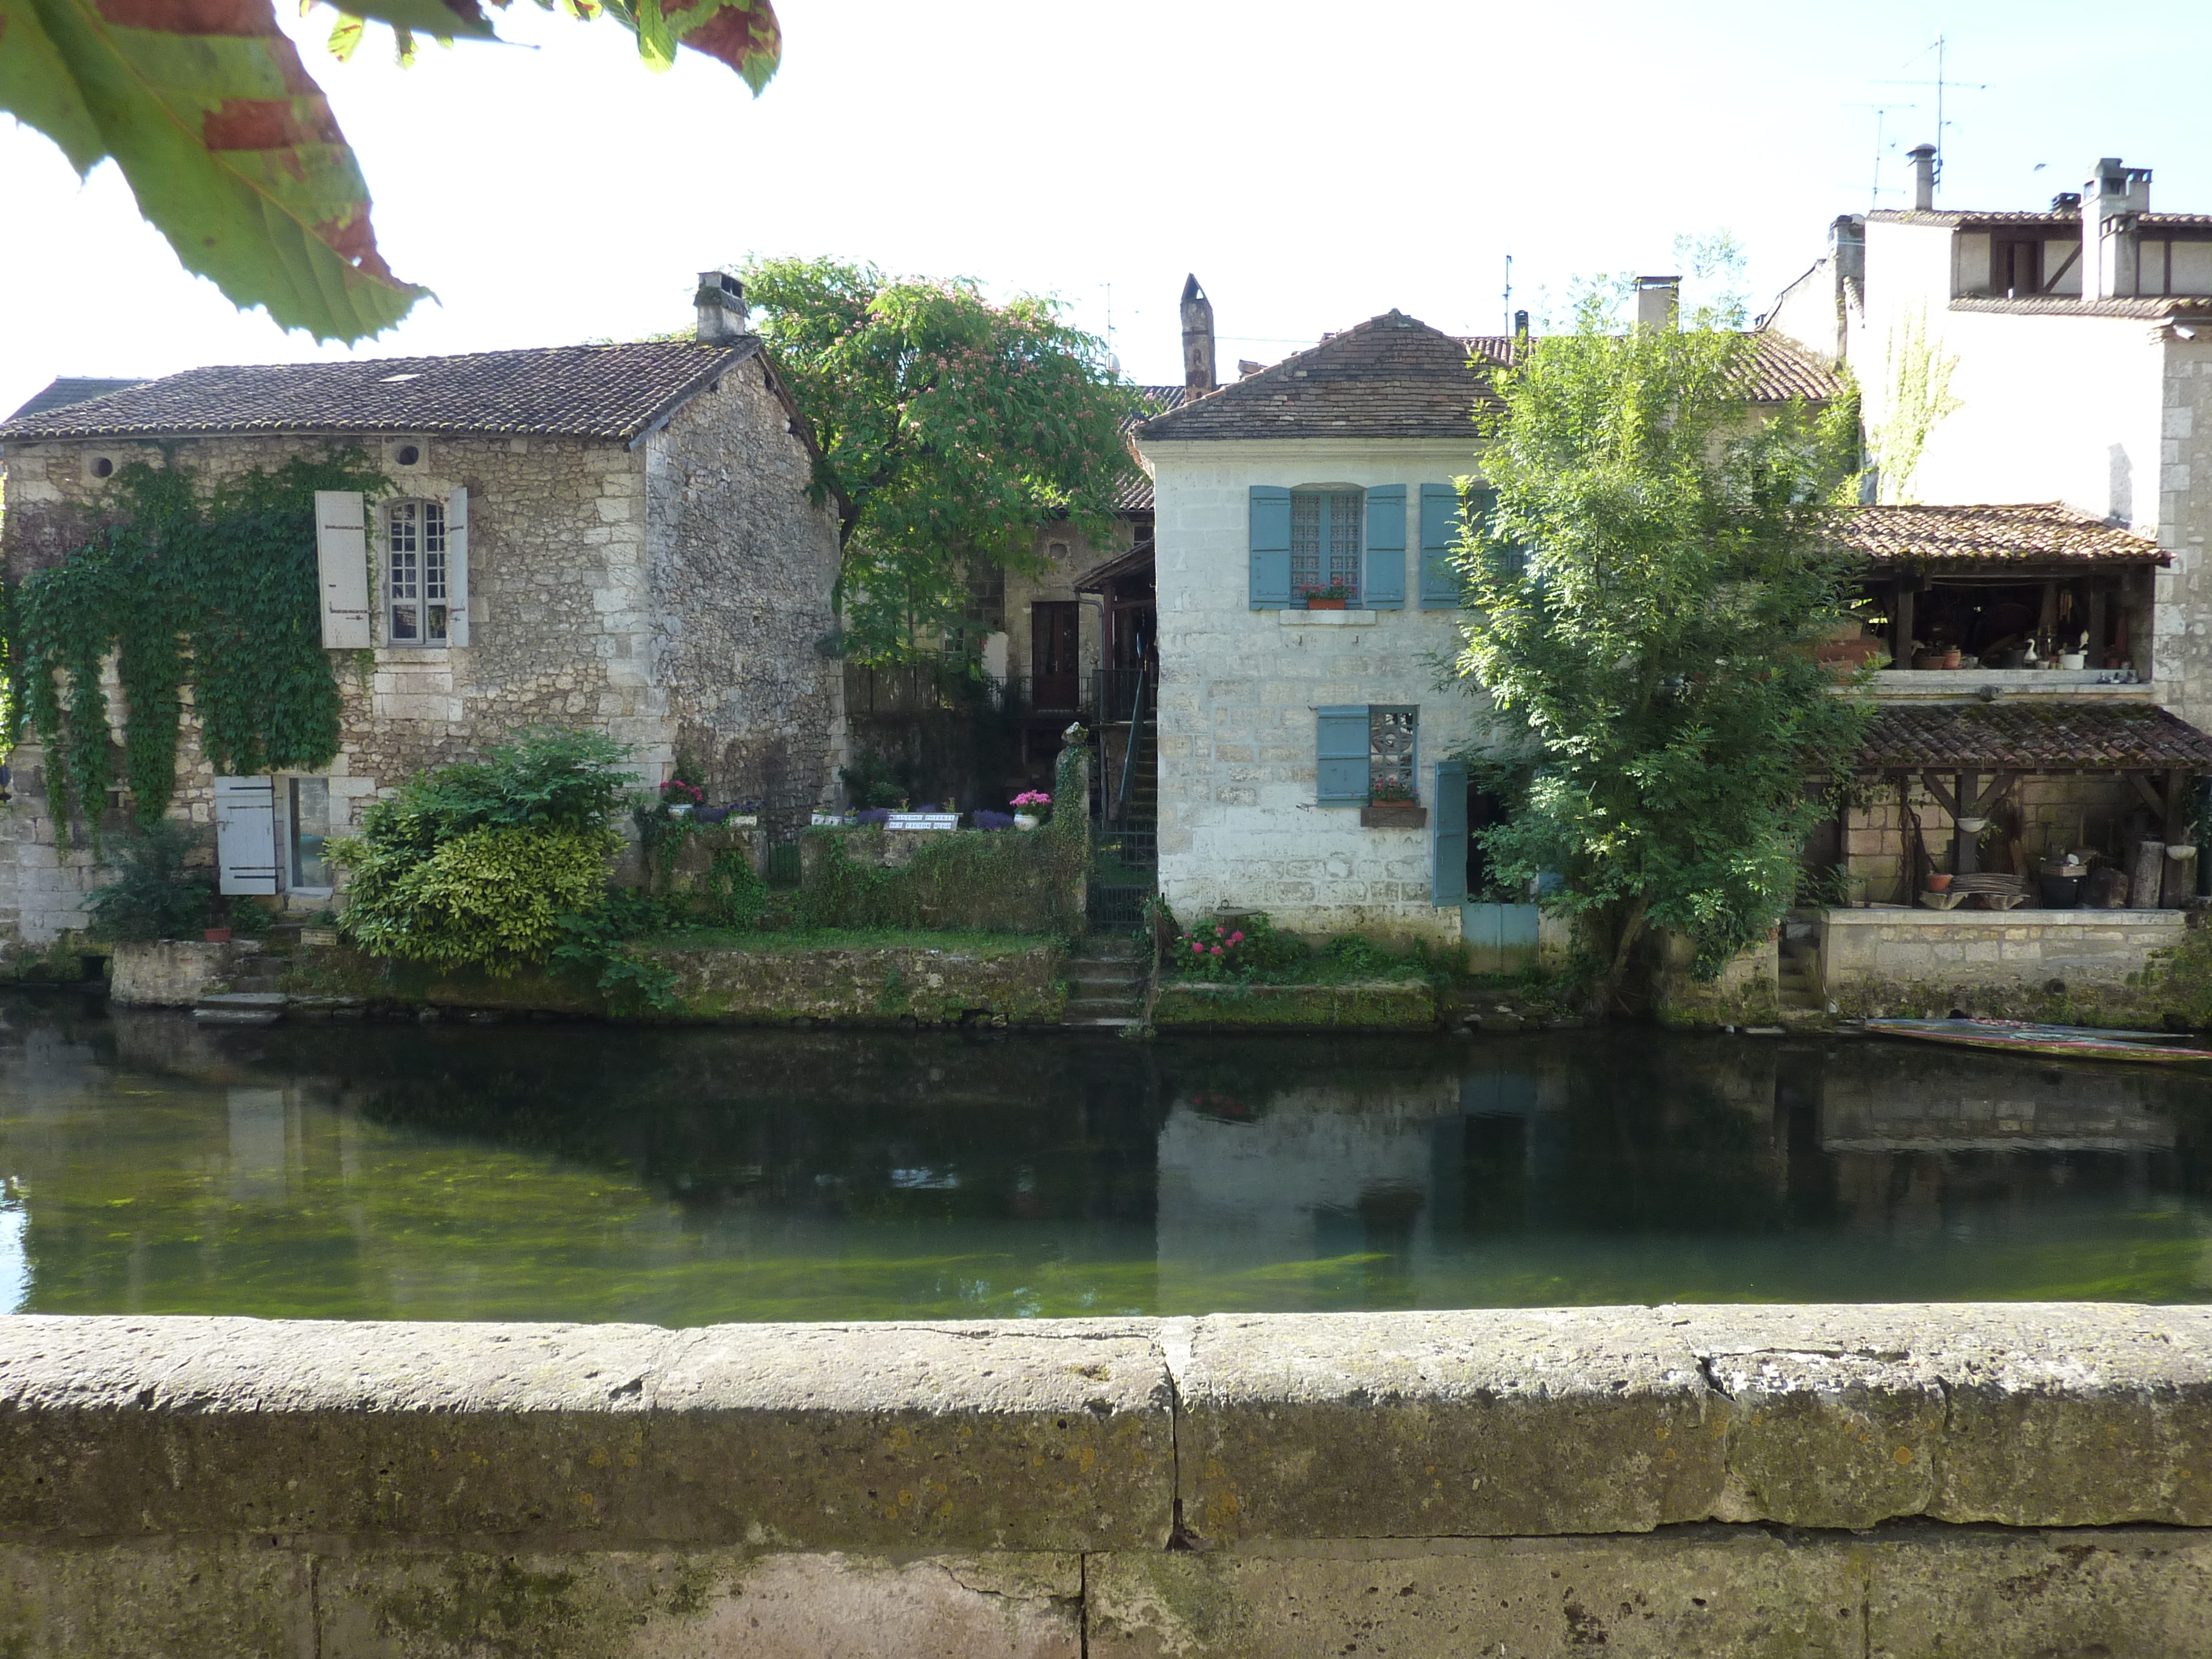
(907, 691)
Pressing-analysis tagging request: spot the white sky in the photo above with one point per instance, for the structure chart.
(1314, 164)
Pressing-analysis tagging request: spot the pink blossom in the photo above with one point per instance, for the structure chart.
(1216, 950)
(1197, 949)
(1236, 939)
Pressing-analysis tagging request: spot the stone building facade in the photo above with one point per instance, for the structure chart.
(639, 558)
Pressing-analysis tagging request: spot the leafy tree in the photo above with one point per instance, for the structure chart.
(1644, 601)
(232, 149)
(949, 429)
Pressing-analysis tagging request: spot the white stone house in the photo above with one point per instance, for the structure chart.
(611, 537)
(1334, 469)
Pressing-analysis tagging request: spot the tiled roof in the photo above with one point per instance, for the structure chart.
(2035, 532)
(2031, 734)
(60, 394)
(1135, 495)
(2149, 308)
(1394, 376)
(590, 391)
(2055, 221)
(1094, 579)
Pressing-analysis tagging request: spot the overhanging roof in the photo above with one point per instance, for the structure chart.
(2032, 735)
(1991, 535)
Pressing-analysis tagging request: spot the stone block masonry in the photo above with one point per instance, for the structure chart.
(2083, 967)
(1969, 1481)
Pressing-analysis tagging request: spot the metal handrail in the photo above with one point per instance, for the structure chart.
(1129, 754)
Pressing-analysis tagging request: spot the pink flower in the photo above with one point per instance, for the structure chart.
(1236, 939)
(1216, 950)
(1197, 949)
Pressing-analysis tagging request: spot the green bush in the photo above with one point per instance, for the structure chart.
(475, 865)
(490, 898)
(1249, 948)
(153, 895)
(734, 895)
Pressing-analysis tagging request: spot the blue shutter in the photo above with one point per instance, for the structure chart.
(1448, 833)
(1341, 756)
(1271, 547)
(1439, 531)
(1385, 589)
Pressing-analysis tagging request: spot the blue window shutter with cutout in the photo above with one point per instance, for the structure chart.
(1439, 530)
(1385, 589)
(1448, 833)
(1341, 756)
(1271, 547)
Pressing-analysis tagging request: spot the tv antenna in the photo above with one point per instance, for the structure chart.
(1508, 296)
(1881, 112)
(1942, 86)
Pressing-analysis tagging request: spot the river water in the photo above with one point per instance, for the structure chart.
(678, 1178)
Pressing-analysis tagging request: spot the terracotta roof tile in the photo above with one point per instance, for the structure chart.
(2028, 734)
(1394, 376)
(2033, 216)
(590, 391)
(1135, 495)
(2030, 532)
(2150, 309)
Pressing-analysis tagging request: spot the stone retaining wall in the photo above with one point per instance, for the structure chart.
(1380, 1006)
(2096, 966)
(1968, 1480)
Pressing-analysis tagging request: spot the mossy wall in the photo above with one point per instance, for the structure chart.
(1385, 1005)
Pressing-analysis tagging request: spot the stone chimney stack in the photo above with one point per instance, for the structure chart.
(1658, 302)
(2113, 202)
(1922, 157)
(721, 302)
(1197, 337)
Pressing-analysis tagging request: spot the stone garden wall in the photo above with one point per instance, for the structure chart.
(2086, 967)
(1972, 1480)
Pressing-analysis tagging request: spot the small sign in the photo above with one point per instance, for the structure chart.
(324, 937)
(922, 821)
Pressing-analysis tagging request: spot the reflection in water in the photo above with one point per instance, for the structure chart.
(565, 1172)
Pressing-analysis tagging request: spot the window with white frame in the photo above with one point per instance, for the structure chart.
(1325, 542)
(414, 571)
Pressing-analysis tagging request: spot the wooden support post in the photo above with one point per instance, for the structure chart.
(1966, 854)
(2047, 629)
(2170, 815)
(2097, 646)
(1900, 625)
(2151, 797)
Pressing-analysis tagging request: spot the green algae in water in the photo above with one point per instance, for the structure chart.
(686, 1177)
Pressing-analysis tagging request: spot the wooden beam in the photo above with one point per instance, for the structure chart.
(1901, 626)
(2150, 796)
(1935, 786)
(2170, 815)
(2000, 787)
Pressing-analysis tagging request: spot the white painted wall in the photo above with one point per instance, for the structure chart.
(1239, 688)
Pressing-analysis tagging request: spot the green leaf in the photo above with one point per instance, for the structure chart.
(38, 89)
(228, 144)
(442, 19)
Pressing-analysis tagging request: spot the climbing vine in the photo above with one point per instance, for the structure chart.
(217, 591)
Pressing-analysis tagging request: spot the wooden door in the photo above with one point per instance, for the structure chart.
(1056, 646)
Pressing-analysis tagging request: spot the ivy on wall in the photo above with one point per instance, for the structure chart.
(218, 591)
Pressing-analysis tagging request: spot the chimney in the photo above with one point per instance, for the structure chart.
(1922, 157)
(1197, 336)
(2113, 202)
(1521, 331)
(721, 302)
(1658, 302)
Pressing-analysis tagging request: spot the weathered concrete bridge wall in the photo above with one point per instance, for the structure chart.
(1964, 1481)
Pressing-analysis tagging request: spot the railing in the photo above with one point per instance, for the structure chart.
(908, 690)
(1129, 752)
(1117, 693)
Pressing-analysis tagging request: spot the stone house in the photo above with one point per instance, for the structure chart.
(1283, 706)
(2037, 390)
(612, 536)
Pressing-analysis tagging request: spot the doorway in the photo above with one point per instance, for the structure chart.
(1055, 653)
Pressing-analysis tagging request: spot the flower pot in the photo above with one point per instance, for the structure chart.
(1972, 826)
(1939, 881)
(1927, 659)
(1325, 605)
(683, 811)
(1951, 658)
(217, 935)
(2074, 659)
(1025, 820)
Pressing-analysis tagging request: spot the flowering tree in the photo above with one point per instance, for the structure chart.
(950, 430)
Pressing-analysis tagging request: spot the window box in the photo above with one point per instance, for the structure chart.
(1395, 815)
(1325, 605)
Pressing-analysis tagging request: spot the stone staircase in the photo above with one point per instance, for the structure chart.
(1798, 967)
(254, 996)
(1106, 981)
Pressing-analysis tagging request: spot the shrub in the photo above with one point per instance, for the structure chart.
(153, 895)
(1252, 948)
(490, 897)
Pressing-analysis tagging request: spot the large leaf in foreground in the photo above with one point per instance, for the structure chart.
(230, 147)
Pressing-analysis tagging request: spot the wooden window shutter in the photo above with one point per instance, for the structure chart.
(1385, 586)
(1448, 834)
(1439, 534)
(457, 568)
(245, 833)
(1340, 744)
(1271, 547)
(342, 558)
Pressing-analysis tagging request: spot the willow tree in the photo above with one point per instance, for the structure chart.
(1643, 605)
(949, 429)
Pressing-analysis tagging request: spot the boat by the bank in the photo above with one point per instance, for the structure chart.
(2063, 1041)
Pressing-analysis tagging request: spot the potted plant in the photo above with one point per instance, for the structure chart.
(1030, 808)
(1334, 596)
(1392, 805)
(680, 797)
